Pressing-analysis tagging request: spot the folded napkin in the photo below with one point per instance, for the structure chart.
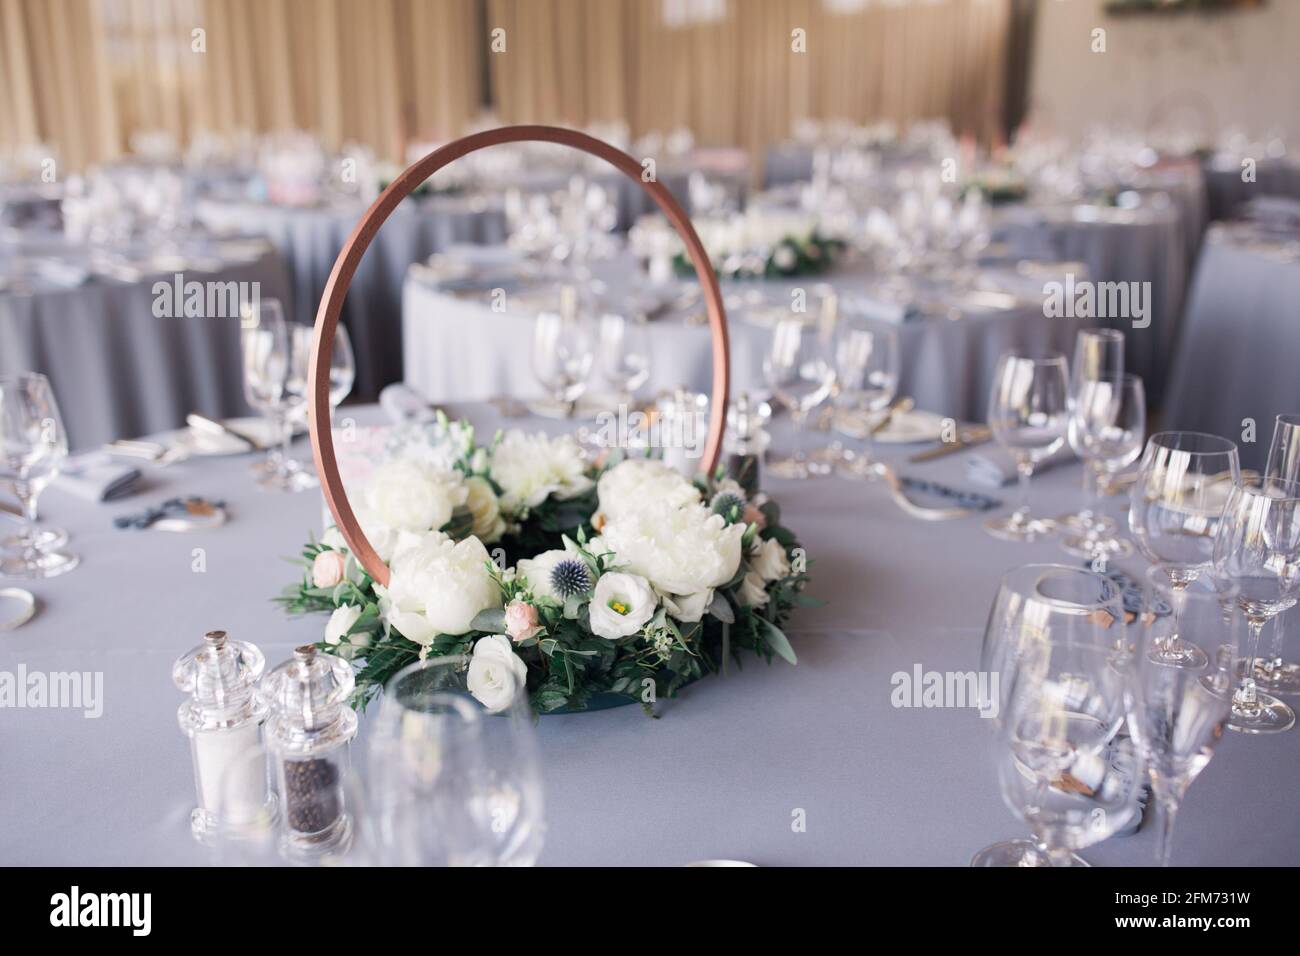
(880, 308)
(995, 469)
(403, 404)
(97, 476)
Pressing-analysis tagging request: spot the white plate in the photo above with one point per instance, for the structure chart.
(905, 428)
(203, 443)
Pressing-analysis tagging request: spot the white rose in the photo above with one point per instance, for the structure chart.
(769, 560)
(537, 572)
(340, 622)
(688, 608)
(333, 538)
(531, 468)
(413, 496)
(497, 674)
(621, 605)
(632, 484)
(752, 591)
(436, 586)
(483, 505)
(681, 550)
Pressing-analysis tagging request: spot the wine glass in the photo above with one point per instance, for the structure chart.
(1107, 425)
(563, 353)
(1257, 553)
(33, 445)
(866, 371)
(799, 370)
(1028, 411)
(1272, 673)
(275, 383)
(454, 782)
(1038, 604)
(624, 354)
(1176, 715)
(1174, 509)
(343, 368)
(1098, 357)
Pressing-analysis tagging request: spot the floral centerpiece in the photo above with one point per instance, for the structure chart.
(609, 579)
(763, 243)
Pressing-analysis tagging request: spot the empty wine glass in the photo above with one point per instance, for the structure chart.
(624, 355)
(1174, 508)
(343, 368)
(33, 445)
(799, 370)
(866, 372)
(1257, 552)
(1028, 411)
(1176, 715)
(1272, 673)
(454, 782)
(1107, 425)
(1098, 357)
(275, 383)
(563, 353)
(1038, 604)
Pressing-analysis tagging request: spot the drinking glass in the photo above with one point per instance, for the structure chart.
(452, 781)
(343, 368)
(1257, 553)
(1176, 715)
(799, 370)
(563, 353)
(1174, 508)
(624, 354)
(1272, 673)
(1107, 425)
(33, 445)
(866, 371)
(275, 384)
(1098, 357)
(1038, 605)
(1028, 411)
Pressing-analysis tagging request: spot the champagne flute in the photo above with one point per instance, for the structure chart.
(563, 354)
(866, 371)
(1098, 357)
(1107, 425)
(1028, 411)
(1174, 509)
(1272, 673)
(1257, 553)
(33, 445)
(799, 370)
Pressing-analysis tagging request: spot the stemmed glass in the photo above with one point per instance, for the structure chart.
(33, 445)
(624, 354)
(1107, 424)
(799, 370)
(275, 384)
(1038, 606)
(866, 371)
(563, 353)
(1176, 715)
(1272, 673)
(1098, 357)
(342, 374)
(1174, 508)
(1028, 411)
(452, 781)
(1257, 553)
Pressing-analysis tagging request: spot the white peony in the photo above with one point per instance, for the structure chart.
(537, 572)
(688, 608)
(436, 586)
(340, 622)
(769, 559)
(496, 673)
(681, 550)
(409, 497)
(752, 592)
(632, 484)
(531, 468)
(483, 505)
(621, 605)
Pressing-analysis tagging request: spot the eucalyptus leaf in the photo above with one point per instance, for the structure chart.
(492, 620)
(777, 640)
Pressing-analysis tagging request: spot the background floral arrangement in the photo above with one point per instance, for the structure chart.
(765, 243)
(616, 577)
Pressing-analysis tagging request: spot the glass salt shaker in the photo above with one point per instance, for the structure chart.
(746, 441)
(308, 734)
(223, 719)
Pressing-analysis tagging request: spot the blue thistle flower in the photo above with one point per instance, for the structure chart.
(570, 577)
(728, 504)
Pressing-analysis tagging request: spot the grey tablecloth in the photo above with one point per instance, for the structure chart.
(311, 238)
(117, 370)
(719, 775)
(1236, 357)
(458, 348)
(1227, 190)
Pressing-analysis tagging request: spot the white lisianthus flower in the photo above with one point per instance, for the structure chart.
(688, 608)
(621, 605)
(496, 673)
(632, 484)
(769, 560)
(340, 622)
(436, 586)
(752, 591)
(537, 572)
(413, 496)
(483, 505)
(531, 468)
(681, 550)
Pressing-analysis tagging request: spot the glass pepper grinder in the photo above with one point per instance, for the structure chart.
(223, 719)
(746, 441)
(308, 734)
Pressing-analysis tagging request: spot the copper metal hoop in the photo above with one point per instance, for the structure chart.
(345, 266)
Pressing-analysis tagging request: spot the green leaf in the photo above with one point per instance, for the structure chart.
(721, 609)
(492, 620)
(777, 640)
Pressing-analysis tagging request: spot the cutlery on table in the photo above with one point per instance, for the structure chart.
(900, 406)
(967, 439)
(213, 426)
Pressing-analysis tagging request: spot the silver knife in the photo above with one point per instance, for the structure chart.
(950, 448)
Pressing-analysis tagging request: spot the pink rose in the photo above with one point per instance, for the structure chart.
(328, 568)
(521, 620)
